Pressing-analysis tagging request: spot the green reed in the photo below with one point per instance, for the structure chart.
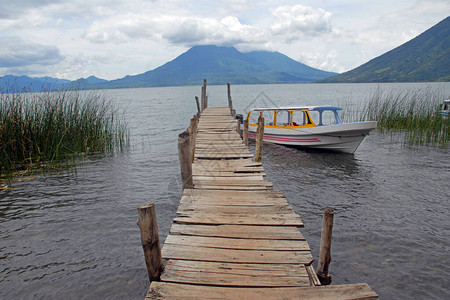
(49, 127)
(412, 112)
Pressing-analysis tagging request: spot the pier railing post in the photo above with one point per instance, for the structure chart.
(185, 157)
(245, 132)
(325, 247)
(150, 240)
(198, 106)
(259, 139)
(230, 102)
(193, 135)
(204, 99)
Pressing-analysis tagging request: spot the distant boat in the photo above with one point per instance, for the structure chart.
(445, 108)
(315, 127)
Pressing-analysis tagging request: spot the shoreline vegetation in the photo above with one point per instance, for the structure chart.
(50, 130)
(413, 114)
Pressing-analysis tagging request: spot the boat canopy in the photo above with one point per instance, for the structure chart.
(310, 108)
(305, 109)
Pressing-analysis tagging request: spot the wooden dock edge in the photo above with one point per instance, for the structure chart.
(162, 290)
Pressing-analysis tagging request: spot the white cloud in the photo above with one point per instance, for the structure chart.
(15, 52)
(143, 34)
(299, 21)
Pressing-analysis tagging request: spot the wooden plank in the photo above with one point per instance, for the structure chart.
(237, 243)
(234, 188)
(224, 219)
(312, 275)
(229, 276)
(230, 182)
(231, 177)
(240, 268)
(186, 252)
(207, 173)
(239, 231)
(161, 290)
(217, 194)
(274, 210)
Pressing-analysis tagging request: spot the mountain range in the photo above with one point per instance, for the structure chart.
(218, 65)
(424, 58)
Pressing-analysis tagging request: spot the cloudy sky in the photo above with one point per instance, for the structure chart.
(113, 38)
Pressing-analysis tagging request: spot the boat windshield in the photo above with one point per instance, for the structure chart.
(296, 116)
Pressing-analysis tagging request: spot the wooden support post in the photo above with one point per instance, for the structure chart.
(245, 132)
(325, 247)
(230, 102)
(233, 113)
(259, 139)
(150, 240)
(193, 135)
(185, 157)
(203, 99)
(198, 106)
(238, 126)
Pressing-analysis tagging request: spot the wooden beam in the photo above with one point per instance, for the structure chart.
(150, 240)
(325, 247)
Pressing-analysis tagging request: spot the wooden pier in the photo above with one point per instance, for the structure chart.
(234, 237)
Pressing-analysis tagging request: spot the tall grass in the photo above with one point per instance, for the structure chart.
(412, 112)
(48, 127)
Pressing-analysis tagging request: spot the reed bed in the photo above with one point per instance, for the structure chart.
(50, 127)
(411, 112)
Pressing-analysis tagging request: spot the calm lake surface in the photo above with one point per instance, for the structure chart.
(74, 235)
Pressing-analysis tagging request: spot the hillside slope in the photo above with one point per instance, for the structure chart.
(424, 58)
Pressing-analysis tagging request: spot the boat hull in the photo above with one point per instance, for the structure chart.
(340, 137)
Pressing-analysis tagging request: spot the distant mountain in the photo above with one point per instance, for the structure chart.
(218, 65)
(10, 83)
(90, 82)
(221, 65)
(282, 63)
(424, 58)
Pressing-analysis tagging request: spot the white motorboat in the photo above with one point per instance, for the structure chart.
(316, 127)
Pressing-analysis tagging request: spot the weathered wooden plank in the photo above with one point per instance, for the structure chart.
(233, 188)
(186, 252)
(203, 204)
(234, 194)
(239, 268)
(160, 290)
(207, 173)
(240, 231)
(274, 210)
(230, 182)
(231, 177)
(234, 243)
(231, 277)
(224, 219)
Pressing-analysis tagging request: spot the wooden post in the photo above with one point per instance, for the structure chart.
(259, 139)
(150, 240)
(203, 99)
(185, 157)
(230, 102)
(206, 101)
(245, 132)
(193, 135)
(238, 126)
(198, 106)
(325, 247)
(233, 113)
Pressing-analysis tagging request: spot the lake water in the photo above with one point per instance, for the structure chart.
(74, 235)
